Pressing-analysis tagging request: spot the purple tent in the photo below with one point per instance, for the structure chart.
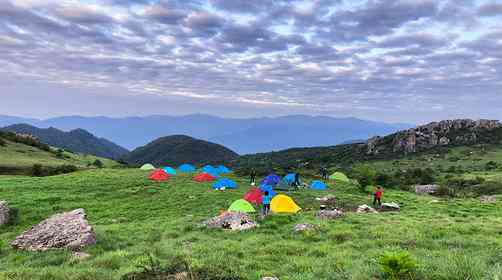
(271, 180)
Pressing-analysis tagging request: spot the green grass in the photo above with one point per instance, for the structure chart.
(133, 217)
(17, 155)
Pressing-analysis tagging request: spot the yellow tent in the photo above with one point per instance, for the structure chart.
(283, 204)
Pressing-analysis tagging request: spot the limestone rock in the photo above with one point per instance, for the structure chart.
(231, 220)
(488, 199)
(365, 209)
(4, 213)
(67, 230)
(329, 214)
(392, 206)
(304, 227)
(426, 189)
(81, 256)
(329, 200)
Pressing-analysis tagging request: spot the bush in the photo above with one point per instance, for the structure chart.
(98, 163)
(491, 165)
(60, 153)
(398, 265)
(37, 170)
(364, 174)
(2, 142)
(41, 171)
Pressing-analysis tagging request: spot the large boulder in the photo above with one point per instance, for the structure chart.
(329, 201)
(392, 206)
(365, 209)
(426, 189)
(488, 199)
(329, 214)
(67, 230)
(4, 213)
(231, 220)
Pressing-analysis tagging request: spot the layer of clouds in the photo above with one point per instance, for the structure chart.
(365, 58)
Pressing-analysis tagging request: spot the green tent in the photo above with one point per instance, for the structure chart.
(241, 205)
(339, 176)
(147, 166)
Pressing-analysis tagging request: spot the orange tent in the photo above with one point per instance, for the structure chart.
(159, 175)
(204, 177)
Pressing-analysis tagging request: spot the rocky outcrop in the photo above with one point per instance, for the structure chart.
(488, 199)
(365, 209)
(4, 213)
(303, 227)
(392, 206)
(426, 189)
(449, 132)
(328, 201)
(329, 214)
(67, 230)
(231, 220)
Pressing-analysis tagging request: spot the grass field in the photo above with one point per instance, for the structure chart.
(133, 217)
(21, 156)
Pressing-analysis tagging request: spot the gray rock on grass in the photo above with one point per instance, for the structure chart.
(231, 220)
(4, 213)
(329, 214)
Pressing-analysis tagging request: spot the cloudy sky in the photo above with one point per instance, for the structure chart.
(389, 60)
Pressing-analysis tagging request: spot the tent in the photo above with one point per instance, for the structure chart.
(186, 168)
(269, 189)
(283, 204)
(204, 177)
(254, 195)
(223, 169)
(284, 186)
(224, 183)
(159, 175)
(211, 170)
(147, 166)
(170, 170)
(241, 205)
(290, 178)
(271, 180)
(318, 185)
(339, 176)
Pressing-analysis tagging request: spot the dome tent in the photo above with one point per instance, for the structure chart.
(186, 168)
(290, 178)
(204, 177)
(283, 204)
(211, 170)
(269, 189)
(254, 196)
(339, 176)
(224, 183)
(159, 175)
(318, 185)
(223, 169)
(241, 205)
(271, 180)
(147, 166)
(169, 170)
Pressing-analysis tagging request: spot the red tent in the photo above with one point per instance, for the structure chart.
(254, 195)
(204, 177)
(159, 175)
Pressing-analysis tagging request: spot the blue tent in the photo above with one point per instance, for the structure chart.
(318, 185)
(186, 168)
(223, 169)
(170, 170)
(211, 170)
(269, 189)
(224, 183)
(289, 179)
(271, 180)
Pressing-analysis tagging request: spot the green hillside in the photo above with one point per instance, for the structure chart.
(134, 218)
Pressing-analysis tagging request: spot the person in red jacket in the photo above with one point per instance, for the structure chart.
(377, 197)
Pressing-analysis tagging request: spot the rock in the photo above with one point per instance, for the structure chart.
(304, 227)
(329, 200)
(81, 256)
(392, 206)
(4, 213)
(488, 199)
(329, 214)
(231, 220)
(366, 209)
(67, 230)
(426, 189)
(269, 278)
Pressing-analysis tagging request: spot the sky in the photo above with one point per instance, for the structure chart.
(394, 60)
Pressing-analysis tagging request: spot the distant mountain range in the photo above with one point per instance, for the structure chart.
(244, 136)
(78, 140)
(179, 149)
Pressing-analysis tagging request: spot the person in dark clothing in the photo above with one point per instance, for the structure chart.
(324, 173)
(252, 177)
(297, 180)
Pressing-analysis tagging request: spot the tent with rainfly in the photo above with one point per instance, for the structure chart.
(254, 196)
(339, 176)
(169, 170)
(241, 205)
(271, 180)
(147, 166)
(222, 169)
(269, 189)
(287, 183)
(204, 177)
(186, 168)
(224, 183)
(159, 175)
(318, 185)
(211, 170)
(283, 204)
(290, 178)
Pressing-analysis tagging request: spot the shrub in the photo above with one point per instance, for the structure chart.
(40, 171)
(37, 170)
(60, 153)
(398, 265)
(98, 163)
(2, 142)
(364, 174)
(491, 165)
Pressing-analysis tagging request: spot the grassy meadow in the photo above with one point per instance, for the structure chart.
(135, 218)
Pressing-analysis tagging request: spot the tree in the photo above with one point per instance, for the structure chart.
(364, 174)
(98, 163)
(60, 153)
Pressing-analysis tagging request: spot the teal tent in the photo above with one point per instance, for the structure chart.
(318, 185)
(170, 170)
(186, 168)
(223, 169)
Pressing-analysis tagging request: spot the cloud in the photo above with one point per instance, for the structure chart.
(490, 10)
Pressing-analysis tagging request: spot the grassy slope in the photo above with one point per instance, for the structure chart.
(456, 239)
(23, 156)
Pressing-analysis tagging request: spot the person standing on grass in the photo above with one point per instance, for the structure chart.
(377, 197)
(266, 203)
(252, 177)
